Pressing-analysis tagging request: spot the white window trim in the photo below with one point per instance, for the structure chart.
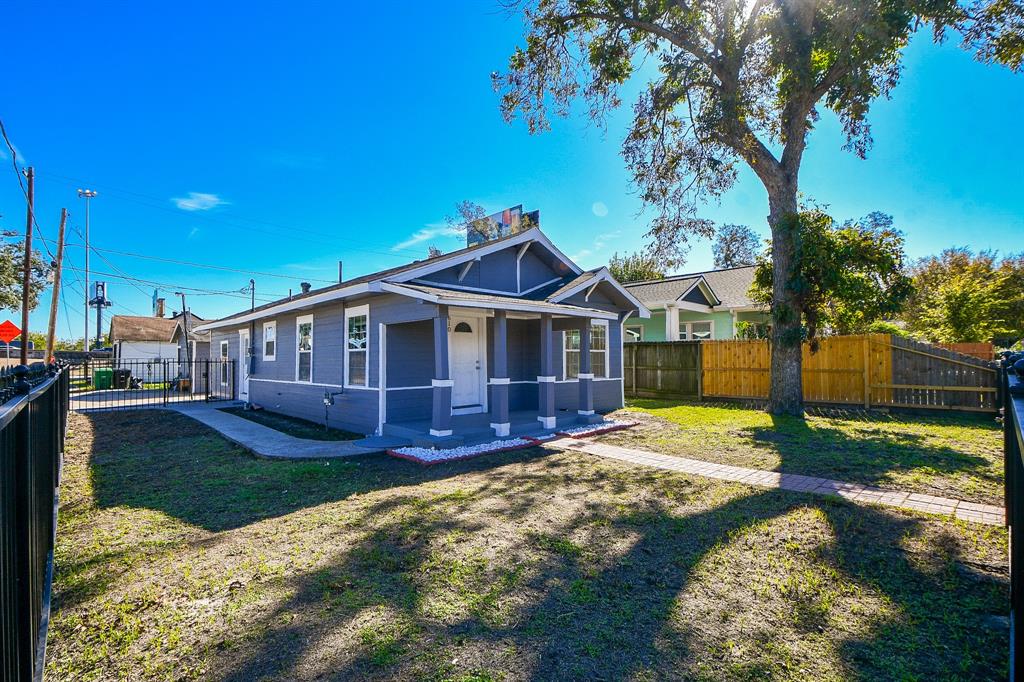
(634, 327)
(299, 321)
(270, 325)
(687, 327)
(357, 311)
(225, 349)
(593, 323)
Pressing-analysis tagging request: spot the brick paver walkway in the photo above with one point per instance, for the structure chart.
(968, 511)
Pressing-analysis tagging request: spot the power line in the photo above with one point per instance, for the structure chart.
(246, 223)
(208, 266)
(198, 291)
(24, 191)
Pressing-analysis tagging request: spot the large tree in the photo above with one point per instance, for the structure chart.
(735, 245)
(737, 81)
(634, 267)
(963, 296)
(846, 277)
(12, 269)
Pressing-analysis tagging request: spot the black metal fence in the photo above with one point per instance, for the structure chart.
(34, 404)
(128, 383)
(1013, 447)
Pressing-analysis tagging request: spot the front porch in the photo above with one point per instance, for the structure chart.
(468, 429)
(469, 376)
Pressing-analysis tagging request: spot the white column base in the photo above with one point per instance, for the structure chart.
(501, 429)
(547, 422)
(585, 413)
(445, 432)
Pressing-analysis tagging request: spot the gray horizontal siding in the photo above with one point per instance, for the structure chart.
(354, 410)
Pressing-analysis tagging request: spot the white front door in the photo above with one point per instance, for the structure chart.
(243, 365)
(467, 358)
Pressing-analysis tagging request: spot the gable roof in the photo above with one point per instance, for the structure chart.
(138, 328)
(372, 283)
(729, 285)
(192, 320)
(592, 279)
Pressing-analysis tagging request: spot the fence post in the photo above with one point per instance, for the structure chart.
(700, 371)
(867, 371)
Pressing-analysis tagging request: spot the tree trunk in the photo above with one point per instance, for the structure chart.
(785, 395)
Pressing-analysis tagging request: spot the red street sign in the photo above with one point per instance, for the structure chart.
(9, 331)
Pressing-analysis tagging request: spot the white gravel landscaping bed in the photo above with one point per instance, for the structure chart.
(586, 430)
(432, 456)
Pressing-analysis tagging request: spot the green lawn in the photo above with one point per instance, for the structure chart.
(956, 456)
(180, 557)
(293, 426)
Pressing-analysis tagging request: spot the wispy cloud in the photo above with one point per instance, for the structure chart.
(600, 241)
(600, 209)
(432, 231)
(193, 232)
(5, 154)
(198, 201)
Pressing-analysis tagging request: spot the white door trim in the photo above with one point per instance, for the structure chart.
(481, 336)
(243, 364)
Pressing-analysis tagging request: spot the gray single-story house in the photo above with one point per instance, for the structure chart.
(504, 337)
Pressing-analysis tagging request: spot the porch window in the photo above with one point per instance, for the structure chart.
(598, 351)
(701, 330)
(304, 348)
(357, 325)
(269, 340)
(634, 334)
(223, 363)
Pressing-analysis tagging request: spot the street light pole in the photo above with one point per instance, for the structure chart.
(86, 194)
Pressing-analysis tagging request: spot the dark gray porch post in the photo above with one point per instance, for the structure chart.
(499, 382)
(546, 380)
(441, 420)
(586, 374)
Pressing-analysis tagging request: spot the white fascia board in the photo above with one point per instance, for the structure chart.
(709, 293)
(532, 235)
(604, 275)
(294, 304)
(523, 306)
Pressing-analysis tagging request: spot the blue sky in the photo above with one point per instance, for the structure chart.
(283, 139)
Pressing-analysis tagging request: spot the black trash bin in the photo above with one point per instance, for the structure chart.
(122, 378)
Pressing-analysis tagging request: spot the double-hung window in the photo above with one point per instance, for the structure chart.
(357, 326)
(598, 351)
(224, 363)
(304, 348)
(700, 330)
(269, 341)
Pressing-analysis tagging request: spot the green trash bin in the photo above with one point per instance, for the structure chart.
(102, 378)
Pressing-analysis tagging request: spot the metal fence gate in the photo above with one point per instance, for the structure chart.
(132, 383)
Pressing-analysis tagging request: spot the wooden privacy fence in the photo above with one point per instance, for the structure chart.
(870, 370)
(982, 351)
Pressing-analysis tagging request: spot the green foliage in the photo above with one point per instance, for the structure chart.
(751, 330)
(963, 297)
(12, 261)
(884, 327)
(635, 267)
(735, 245)
(845, 278)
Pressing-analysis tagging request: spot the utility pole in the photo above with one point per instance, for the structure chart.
(51, 329)
(86, 194)
(184, 325)
(27, 275)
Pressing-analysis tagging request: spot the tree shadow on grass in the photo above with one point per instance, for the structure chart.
(584, 610)
(869, 455)
(169, 463)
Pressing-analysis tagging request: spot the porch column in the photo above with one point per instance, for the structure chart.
(546, 380)
(499, 382)
(586, 374)
(441, 419)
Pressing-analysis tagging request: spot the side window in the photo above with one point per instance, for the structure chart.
(304, 349)
(269, 340)
(357, 325)
(224, 363)
(598, 351)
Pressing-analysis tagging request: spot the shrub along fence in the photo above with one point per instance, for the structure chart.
(868, 370)
(33, 418)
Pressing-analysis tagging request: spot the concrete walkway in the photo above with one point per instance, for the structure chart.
(967, 511)
(264, 441)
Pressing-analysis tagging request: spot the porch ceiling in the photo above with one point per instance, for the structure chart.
(474, 300)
